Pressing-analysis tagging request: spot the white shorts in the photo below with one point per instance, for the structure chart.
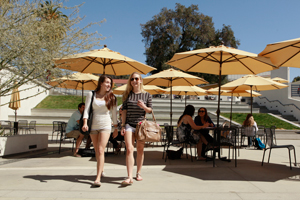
(129, 128)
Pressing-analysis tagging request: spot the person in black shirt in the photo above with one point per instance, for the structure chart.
(206, 139)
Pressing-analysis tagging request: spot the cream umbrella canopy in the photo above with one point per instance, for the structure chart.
(77, 81)
(102, 61)
(172, 77)
(253, 82)
(15, 100)
(221, 60)
(236, 93)
(186, 90)
(280, 80)
(283, 54)
(152, 89)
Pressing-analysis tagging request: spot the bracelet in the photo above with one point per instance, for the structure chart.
(123, 125)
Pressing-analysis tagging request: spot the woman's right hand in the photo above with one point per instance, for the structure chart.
(85, 128)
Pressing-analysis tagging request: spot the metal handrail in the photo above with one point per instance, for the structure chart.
(290, 104)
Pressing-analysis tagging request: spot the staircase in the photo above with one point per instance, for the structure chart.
(264, 109)
(161, 108)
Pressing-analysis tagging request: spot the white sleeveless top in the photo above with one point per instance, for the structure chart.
(101, 116)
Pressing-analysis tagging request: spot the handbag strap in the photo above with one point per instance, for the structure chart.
(91, 105)
(153, 116)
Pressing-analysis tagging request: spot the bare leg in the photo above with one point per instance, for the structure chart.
(140, 156)
(129, 153)
(100, 140)
(199, 148)
(78, 143)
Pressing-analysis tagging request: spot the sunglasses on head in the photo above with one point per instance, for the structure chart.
(201, 111)
(136, 78)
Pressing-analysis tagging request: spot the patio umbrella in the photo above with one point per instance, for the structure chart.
(280, 80)
(186, 90)
(283, 54)
(253, 82)
(102, 61)
(236, 93)
(152, 89)
(15, 100)
(170, 78)
(77, 81)
(221, 60)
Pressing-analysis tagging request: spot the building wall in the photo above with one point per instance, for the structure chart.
(27, 104)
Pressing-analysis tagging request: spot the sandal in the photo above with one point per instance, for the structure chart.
(97, 183)
(127, 182)
(139, 177)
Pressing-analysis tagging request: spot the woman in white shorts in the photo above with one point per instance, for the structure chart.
(136, 103)
(104, 101)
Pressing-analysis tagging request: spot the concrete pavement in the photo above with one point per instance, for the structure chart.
(51, 176)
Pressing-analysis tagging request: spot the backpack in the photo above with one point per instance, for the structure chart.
(258, 144)
(173, 155)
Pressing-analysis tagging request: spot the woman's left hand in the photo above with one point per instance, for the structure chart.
(141, 104)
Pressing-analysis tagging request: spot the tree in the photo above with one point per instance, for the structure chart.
(34, 32)
(297, 78)
(182, 29)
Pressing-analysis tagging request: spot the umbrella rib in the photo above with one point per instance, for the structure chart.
(281, 48)
(203, 58)
(244, 64)
(288, 59)
(88, 65)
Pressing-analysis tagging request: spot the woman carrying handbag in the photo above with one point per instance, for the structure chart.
(103, 102)
(136, 103)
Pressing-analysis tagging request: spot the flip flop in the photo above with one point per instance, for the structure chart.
(139, 177)
(77, 155)
(127, 182)
(97, 184)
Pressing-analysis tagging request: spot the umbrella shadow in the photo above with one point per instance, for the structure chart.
(247, 170)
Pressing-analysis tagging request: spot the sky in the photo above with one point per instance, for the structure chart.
(255, 23)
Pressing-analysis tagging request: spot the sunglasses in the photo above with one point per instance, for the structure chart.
(202, 111)
(132, 79)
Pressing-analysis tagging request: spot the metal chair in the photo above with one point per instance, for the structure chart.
(6, 125)
(22, 125)
(63, 135)
(248, 131)
(32, 126)
(273, 128)
(261, 133)
(56, 129)
(271, 145)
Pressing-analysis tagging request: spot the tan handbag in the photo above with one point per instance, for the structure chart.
(148, 131)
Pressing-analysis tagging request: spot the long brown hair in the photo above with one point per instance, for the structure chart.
(249, 121)
(129, 86)
(110, 98)
(205, 114)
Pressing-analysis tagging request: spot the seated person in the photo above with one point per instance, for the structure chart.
(72, 129)
(249, 122)
(115, 138)
(186, 124)
(203, 119)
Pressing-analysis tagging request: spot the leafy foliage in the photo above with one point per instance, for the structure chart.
(179, 30)
(32, 34)
(297, 78)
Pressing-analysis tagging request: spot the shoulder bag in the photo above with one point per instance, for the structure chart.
(148, 131)
(89, 120)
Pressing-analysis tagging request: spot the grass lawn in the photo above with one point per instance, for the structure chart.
(261, 119)
(63, 102)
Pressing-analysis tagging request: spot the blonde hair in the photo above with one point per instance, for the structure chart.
(129, 86)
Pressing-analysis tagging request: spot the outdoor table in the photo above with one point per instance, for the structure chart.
(217, 137)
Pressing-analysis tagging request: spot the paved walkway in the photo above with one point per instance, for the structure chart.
(48, 175)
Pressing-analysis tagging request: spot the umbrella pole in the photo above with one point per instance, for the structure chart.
(185, 99)
(231, 108)
(82, 93)
(15, 115)
(219, 93)
(251, 98)
(171, 104)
